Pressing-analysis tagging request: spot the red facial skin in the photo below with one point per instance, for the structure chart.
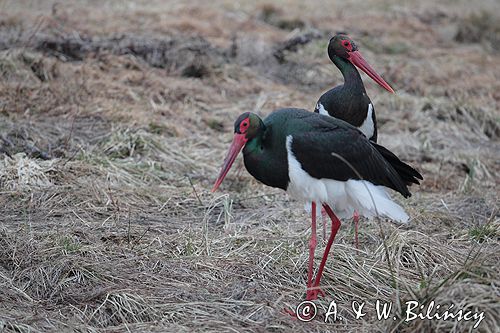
(355, 57)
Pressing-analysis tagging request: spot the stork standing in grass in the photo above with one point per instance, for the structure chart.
(312, 157)
(349, 101)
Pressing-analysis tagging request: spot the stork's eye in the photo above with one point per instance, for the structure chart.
(244, 125)
(346, 43)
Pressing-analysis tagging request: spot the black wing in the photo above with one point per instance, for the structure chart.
(318, 152)
(407, 173)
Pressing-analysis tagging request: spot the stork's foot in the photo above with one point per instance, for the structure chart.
(290, 312)
(312, 294)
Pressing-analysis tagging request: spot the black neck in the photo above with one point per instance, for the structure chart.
(349, 101)
(352, 79)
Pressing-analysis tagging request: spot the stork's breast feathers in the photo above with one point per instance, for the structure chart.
(321, 109)
(368, 127)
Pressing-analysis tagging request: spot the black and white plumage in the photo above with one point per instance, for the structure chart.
(366, 122)
(305, 153)
(349, 101)
(323, 161)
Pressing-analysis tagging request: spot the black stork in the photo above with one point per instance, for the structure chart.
(349, 101)
(305, 154)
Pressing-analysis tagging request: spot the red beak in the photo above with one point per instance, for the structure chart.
(357, 59)
(239, 141)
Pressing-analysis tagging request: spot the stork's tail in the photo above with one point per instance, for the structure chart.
(408, 174)
(370, 200)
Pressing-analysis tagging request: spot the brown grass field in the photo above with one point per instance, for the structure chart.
(117, 116)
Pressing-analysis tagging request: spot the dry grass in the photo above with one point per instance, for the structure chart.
(116, 119)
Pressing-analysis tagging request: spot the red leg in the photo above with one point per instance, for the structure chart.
(355, 217)
(335, 227)
(312, 245)
(323, 220)
(311, 291)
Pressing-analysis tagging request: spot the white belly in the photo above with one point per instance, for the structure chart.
(368, 127)
(321, 109)
(344, 197)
